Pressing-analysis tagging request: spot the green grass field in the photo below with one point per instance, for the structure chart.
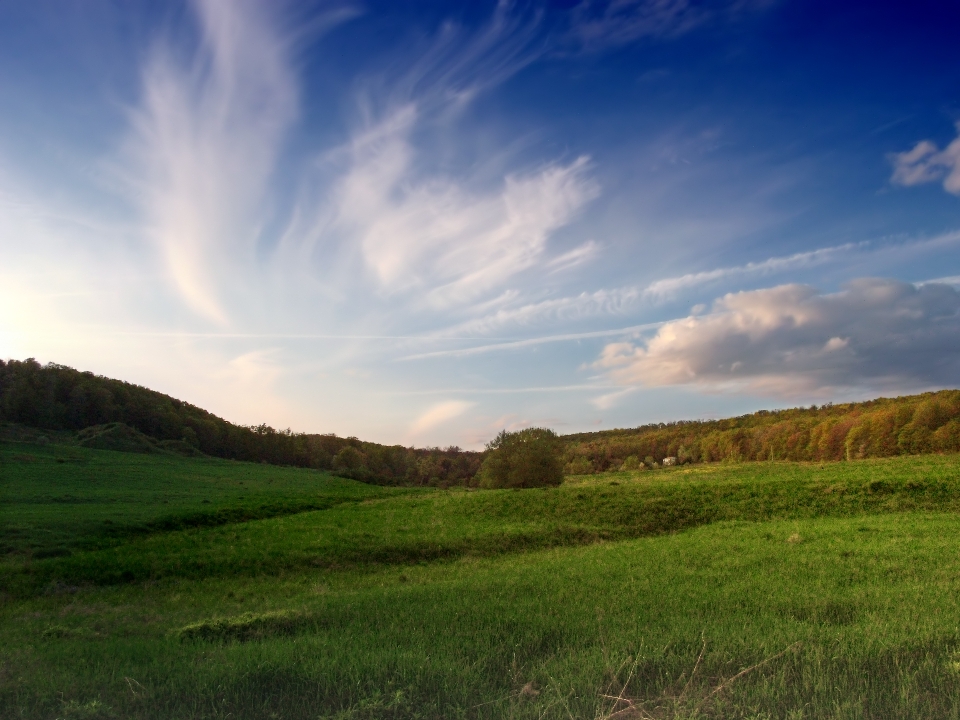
(144, 586)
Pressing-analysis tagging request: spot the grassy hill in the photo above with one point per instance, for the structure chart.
(154, 585)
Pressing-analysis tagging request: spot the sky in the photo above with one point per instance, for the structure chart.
(421, 223)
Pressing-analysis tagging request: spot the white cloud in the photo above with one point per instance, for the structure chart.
(439, 413)
(204, 143)
(599, 25)
(621, 301)
(609, 400)
(532, 342)
(565, 309)
(927, 163)
(602, 24)
(791, 339)
(579, 255)
(439, 240)
(670, 286)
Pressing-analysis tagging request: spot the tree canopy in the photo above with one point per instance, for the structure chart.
(523, 459)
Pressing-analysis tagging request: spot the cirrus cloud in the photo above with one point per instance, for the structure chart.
(792, 339)
(439, 413)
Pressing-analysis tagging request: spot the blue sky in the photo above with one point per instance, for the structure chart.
(424, 222)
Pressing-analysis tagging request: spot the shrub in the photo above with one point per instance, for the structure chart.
(524, 459)
(578, 466)
(631, 463)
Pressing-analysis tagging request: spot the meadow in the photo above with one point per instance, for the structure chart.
(157, 586)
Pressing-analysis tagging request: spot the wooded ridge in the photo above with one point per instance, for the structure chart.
(59, 398)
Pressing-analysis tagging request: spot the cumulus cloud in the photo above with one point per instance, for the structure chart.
(792, 339)
(927, 163)
(204, 142)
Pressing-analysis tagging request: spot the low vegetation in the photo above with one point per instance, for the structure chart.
(745, 590)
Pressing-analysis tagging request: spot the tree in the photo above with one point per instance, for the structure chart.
(524, 459)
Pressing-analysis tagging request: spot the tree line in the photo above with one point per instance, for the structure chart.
(884, 427)
(57, 397)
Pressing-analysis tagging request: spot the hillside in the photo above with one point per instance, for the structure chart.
(60, 399)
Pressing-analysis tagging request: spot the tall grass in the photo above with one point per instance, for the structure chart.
(868, 608)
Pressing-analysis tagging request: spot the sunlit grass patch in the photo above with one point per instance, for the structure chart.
(246, 627)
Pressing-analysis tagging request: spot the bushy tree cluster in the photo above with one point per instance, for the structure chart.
(523, 459)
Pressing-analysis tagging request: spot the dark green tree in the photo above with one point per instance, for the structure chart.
(524, 459)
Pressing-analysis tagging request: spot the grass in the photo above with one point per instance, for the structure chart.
(58, 498)
(836, 588)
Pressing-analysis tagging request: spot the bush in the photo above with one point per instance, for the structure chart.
(631, 463)
(524, 459)
(578, 466)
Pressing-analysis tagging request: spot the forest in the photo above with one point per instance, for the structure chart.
(909, 425)
(61, 399)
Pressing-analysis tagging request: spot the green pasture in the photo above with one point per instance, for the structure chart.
(764, 590)
(55, 498)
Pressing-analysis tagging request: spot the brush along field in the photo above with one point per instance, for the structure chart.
(164, 587)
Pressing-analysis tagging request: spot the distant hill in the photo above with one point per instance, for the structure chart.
(60, 399)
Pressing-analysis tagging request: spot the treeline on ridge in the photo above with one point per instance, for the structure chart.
(909, 425)
(59, 398)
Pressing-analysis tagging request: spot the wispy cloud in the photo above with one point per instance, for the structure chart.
(459, 64)
(927, 163)
(601, 24)
(204, 142)
(671, 286)
(437, 414)
(431, 240)
(572, 258)
(566, 309)
(622, 301)
(434, 237)
(530, 342)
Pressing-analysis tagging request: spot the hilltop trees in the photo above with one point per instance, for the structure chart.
(56, 397)
(884, 427)
(524, 459)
